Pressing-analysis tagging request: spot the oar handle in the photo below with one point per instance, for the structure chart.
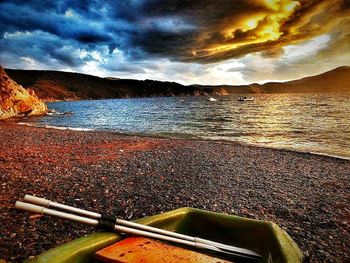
(29, 207)
(37, 200)
(47, 203)
(42, 210)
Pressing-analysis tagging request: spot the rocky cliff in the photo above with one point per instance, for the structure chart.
(15, 101)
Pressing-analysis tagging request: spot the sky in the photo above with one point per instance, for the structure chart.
(191, 42)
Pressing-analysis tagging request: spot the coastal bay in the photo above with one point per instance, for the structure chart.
(137, 108)
(132, 176)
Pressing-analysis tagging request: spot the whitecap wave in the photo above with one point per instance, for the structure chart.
(57, 113)
(25, 124)
(55, 127)
(68, 128)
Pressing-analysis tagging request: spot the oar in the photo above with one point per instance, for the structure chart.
(127, 230)
(47, 203)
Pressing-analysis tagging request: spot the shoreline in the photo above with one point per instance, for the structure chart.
(133, 176)
(155, 136)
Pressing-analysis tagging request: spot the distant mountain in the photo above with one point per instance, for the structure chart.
(57, 85)
(336, 80)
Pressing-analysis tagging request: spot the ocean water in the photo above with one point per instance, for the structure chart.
(318, 123)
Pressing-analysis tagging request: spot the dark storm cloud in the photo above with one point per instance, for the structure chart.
(33, 44)
(53, 21)
(202, 31)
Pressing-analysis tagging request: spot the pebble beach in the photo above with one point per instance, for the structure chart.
(132, 176)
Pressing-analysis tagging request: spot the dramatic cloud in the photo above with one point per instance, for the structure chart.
(194, 41)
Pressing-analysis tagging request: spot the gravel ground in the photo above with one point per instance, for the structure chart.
(131, 177)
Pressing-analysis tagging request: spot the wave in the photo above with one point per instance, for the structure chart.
(53, 112)
(26, 124)
(56, 127)
(68, 128)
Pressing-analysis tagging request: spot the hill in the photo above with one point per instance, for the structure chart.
(336, 80)
(57, 85)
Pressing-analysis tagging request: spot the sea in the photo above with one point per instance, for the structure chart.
(316, 123)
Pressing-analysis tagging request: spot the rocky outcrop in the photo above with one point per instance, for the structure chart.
(15, 101)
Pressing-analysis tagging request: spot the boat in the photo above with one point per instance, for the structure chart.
(263, 237)
(211, 99)
(245, 99)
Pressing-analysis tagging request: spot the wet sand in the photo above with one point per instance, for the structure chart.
(131, 177)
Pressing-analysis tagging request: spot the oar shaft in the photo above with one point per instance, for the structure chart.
(94, 222)
(154, 229)
(47, 203)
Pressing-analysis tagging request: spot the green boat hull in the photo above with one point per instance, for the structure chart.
(263, 237)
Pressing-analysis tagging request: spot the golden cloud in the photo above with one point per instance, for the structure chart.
(267, 25)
